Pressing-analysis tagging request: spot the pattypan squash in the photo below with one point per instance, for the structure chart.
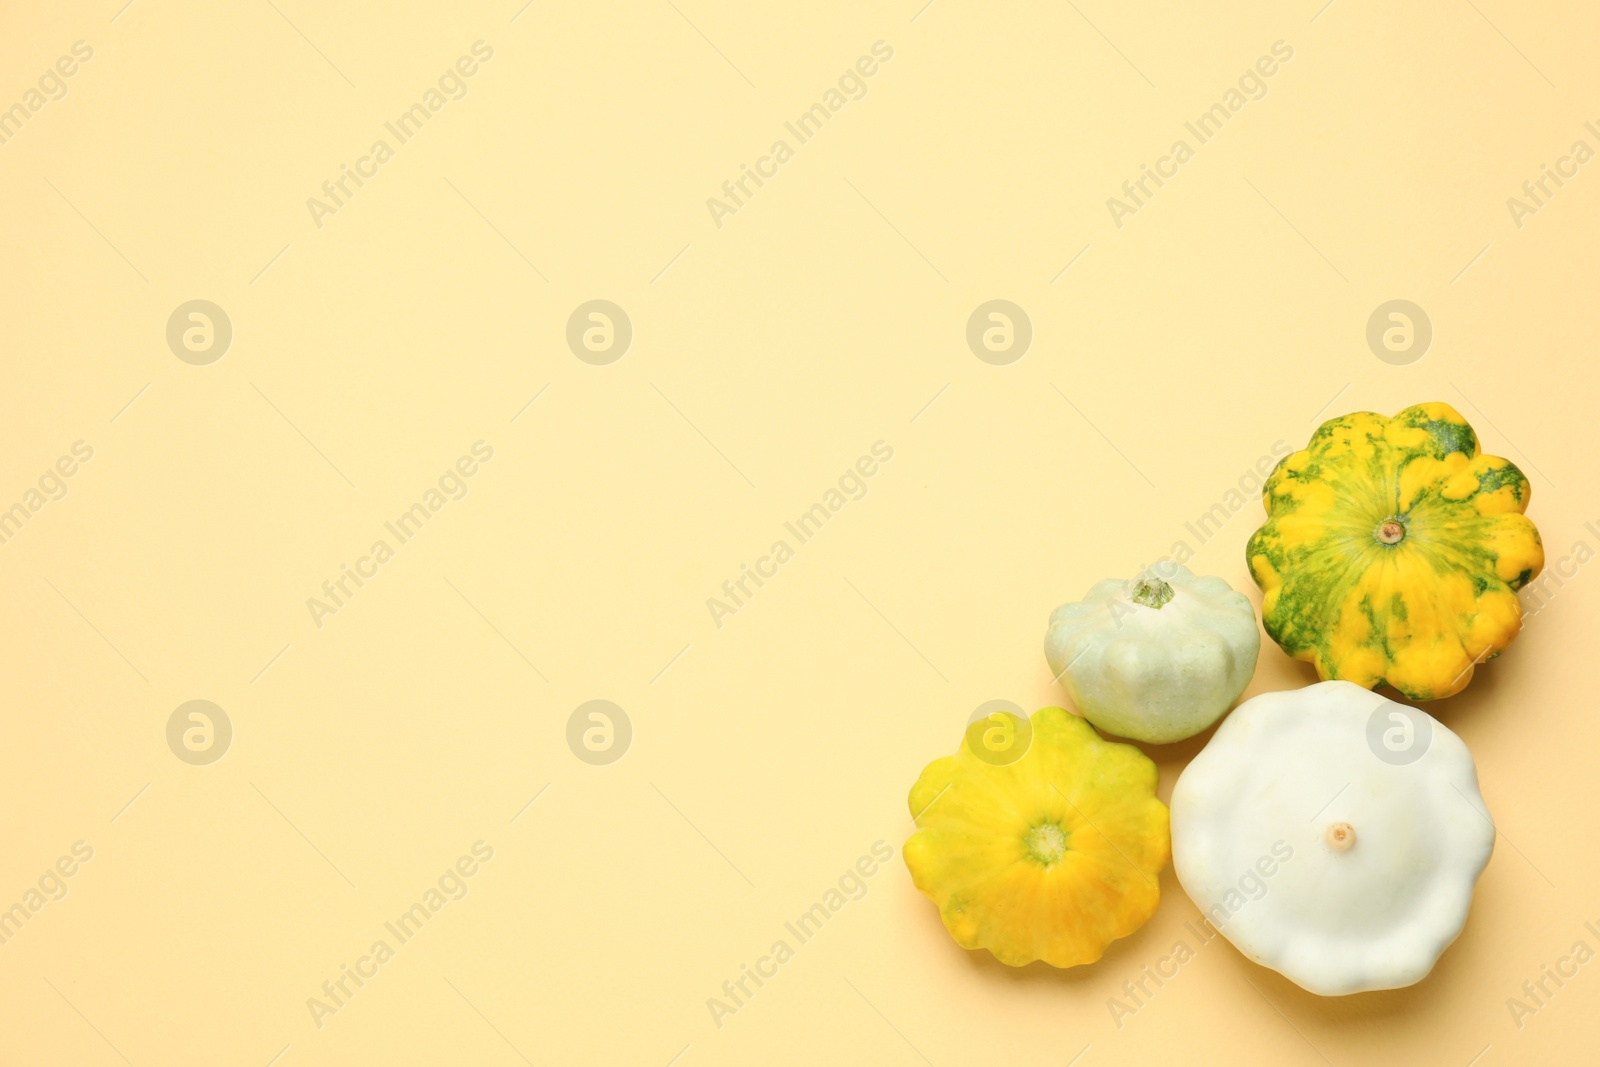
(1047, 854)
(1333, 835)
(1158, 658)
(1393, 551)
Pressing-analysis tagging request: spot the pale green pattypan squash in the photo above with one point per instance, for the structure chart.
(1157, 658)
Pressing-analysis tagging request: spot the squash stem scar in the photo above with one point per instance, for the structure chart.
(1046, 843)
(1391, 532)
(1151, 592)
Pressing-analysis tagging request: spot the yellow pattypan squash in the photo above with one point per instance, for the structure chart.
(1048, 849)
(1393, 551)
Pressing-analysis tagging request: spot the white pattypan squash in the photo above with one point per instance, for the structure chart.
(1155, 659)
(1333, 835)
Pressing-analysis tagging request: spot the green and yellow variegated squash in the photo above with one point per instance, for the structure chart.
(1038, 840)
(1393, 551)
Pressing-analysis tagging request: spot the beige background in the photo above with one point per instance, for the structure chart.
(827, 314)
